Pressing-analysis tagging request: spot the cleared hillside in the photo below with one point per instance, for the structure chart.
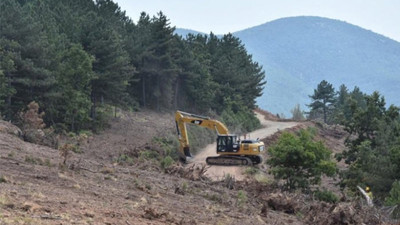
(110, 180)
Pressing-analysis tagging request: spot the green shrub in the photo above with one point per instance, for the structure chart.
(88, 133)
(184, 186)
(149, 154)
(37, 161)
(241, 198)
(123, 158)
(251, 170)
(167, 162)
(300, 161)
(3, 179)
(326, 196)
(169, 144)
(214, 197)
(30, 159)
(394, 199)
(47, 162)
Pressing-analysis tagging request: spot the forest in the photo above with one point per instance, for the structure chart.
(78, 59)
(373, 143)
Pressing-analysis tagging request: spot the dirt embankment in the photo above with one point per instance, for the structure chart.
(218, 172)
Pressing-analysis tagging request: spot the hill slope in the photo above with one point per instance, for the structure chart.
(99, 186)
(298, 52)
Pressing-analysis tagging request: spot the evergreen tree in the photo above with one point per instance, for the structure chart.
(26, 44)
(198, 83)
(342, 95)
(156, 63)
(7, 67)
(372, 154)
(341, 111)
(163, 61)
(74, 77)
(112, 67)
(240, 79)
(138, 45)
(323, 99)
(297, 113)
(50, 50)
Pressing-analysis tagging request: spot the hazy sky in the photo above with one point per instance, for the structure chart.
(223, 16)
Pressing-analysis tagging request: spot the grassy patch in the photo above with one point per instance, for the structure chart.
(251, 170)
(37, 161)
(326, 196)
(124, 159)
(241, 198)
(149, 154)
(3, 200)
(262, 178)
(11, 155)
(213, 197)
(3, 179)
(166, 162)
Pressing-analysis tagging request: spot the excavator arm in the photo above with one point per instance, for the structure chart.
(182, 118)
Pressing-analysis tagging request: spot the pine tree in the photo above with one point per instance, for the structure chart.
(27, 45)
(112, 66)
(156, 63)
(195, 77)
(7, 67)
(323, 99)
(74, 77)
(297, 114)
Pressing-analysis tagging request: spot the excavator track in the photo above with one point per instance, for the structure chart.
(229, 161)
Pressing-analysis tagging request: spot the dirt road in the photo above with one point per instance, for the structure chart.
(218, 172)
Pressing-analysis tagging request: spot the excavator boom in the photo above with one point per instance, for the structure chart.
(182, 118)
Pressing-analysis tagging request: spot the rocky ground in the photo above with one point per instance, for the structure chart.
(94, 187)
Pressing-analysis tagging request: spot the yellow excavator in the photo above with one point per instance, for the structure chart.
(231, 150)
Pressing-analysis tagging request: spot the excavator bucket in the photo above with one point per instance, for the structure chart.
(186, 151)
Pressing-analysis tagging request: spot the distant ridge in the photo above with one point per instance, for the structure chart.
(184, 32)
(298, 52)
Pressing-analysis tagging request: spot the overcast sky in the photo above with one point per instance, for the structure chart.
(223, 16)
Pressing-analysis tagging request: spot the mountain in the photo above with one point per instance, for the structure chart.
(298, 52)
(184, 32)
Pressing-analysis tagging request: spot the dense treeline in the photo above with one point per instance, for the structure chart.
(373, 146)
(76, 57)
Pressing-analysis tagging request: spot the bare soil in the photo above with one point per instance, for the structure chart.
(92, 188)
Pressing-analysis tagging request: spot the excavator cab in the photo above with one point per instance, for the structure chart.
(227, 143)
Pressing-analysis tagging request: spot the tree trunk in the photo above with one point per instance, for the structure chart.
(324, 108)
(176, 94)
(73, 123)
(9, 111)
(158, 96)
(143, 91)
(93, 108)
